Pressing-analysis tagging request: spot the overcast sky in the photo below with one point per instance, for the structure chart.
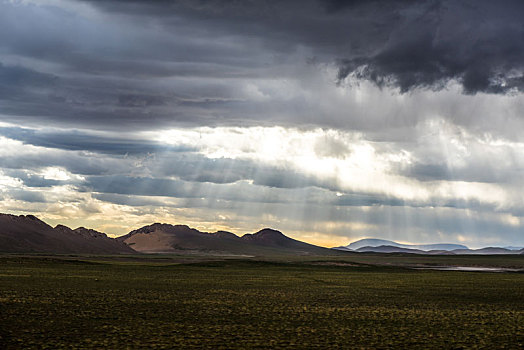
(328, 120)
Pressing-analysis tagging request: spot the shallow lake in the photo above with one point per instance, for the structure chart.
(469, 269)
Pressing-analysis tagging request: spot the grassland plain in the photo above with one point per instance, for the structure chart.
(76, 302)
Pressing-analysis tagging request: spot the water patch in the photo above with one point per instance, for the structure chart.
(469, 269)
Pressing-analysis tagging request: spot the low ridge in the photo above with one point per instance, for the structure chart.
(373, 242)
(165, 238)
(28, 234)
(384, 246)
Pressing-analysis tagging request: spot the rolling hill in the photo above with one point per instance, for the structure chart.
(165, 238)
(28, 234)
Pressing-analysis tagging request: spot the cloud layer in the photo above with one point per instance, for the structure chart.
(332, 120)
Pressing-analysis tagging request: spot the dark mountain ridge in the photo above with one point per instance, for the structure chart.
(165, 238)
(28, 234)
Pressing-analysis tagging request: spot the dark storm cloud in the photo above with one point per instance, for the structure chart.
(128, 200)
(126, 185)
(367, 200)
(151, 64)
(486, 173)
(477, 43)
(30, 180)
(370, 199)
(155, 187)
(155, 64)
(78, 140)
(18, 77)
(74, 162)
(103, 102)
(408, 44)
(28, 196)
(60, 68)
(198, 168)
(136, 201)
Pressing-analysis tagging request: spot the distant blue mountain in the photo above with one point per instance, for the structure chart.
(513, 248)
(373, 242)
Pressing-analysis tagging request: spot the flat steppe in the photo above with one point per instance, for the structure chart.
(170, 301)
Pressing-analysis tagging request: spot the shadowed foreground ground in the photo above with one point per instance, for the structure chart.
(56, 303)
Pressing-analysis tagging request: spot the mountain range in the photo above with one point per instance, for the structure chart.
(165, 238)
(28, 234)
(372, 242)
(385, 246)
